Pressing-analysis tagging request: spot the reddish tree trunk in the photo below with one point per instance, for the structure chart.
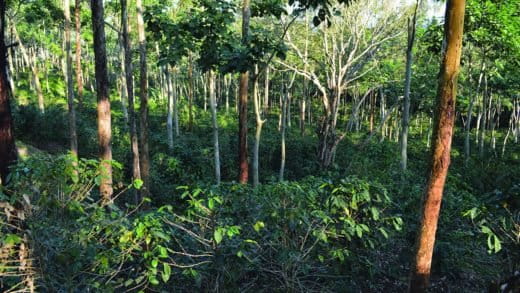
(441, 146)
(103, 101)
(7, 146)
(243, 164)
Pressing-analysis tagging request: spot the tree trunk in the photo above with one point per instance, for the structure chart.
(259, 124)
(243, 174)
(31, 62)
(470, 117)
(79, 71)
(144, 159)
(442, 136)
(407, 81)
(73, 137)
(266, 91)
(169, 118)
(103, 101)
(285, 101)
(482, 133)
(175, 92)
(7, 146)
(328, 138)
(213, 106)
(190, 92)
(129, 79)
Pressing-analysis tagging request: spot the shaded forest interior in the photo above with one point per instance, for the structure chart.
(259, 146)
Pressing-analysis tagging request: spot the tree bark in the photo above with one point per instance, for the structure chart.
(407, 81)
(144, 159)
(191, 92)
(284, 110)
(79, 71)
(129, 79)
(259, 124)
(103, 101)
(243, 174)
(8, 154)
(169, 118)
(441, 146)
(73, 137)
(213, 106)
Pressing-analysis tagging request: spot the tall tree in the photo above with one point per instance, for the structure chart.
(7, 146)
(259, 123)
(214, 122)
(441, 146)
(73, 137)
(129, 79)
(79, 70)
(144, 160)
(103, 102)
(403, 137)
(243, 164)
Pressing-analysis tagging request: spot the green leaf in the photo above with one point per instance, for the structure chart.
(138, 183)
(258, 226)
(12, 239)
(167, 271)
(155, 262)
(217, 235)
(128, 282)
(498, 244)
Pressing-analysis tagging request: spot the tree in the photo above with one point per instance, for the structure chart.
(407, 81)
(243, 163)
(144, 160)
(213, 105)
(129, 79)
(103, 101)
(347, 46)
(441, 144)
(73, 137)
(7, 147)
(79, 70)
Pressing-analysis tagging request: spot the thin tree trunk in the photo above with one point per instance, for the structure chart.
(79, 71)
(169, 119)
(123, 92)
(470, 117)
(175, 104)
(227, 86)
(407, 81)
(482, 133)
(31, 62)
(442, 136)
(266, 91)
(259, 124)
(103, 101)
(144, 153)
(73, 137)
(190, 92)
(285, 100)
(8, 154)
(129, 79)
(213, 106)
(243, 174)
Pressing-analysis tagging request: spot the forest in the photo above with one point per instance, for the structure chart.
(260, 146)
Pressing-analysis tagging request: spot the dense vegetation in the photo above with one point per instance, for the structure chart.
(341, 103)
